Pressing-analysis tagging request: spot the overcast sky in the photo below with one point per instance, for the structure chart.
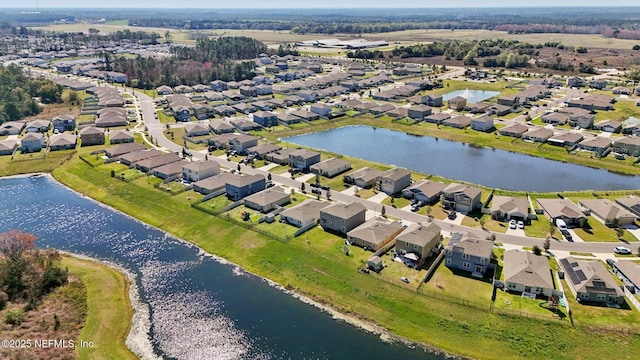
(304, 4)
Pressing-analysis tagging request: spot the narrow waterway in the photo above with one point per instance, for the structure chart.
(200, 308)
(459, 161)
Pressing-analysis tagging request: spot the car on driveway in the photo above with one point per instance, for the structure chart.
(452, 215)
(512, 224)
(520, 224)
(622, 250)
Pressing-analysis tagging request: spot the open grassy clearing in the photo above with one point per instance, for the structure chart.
(108, 310)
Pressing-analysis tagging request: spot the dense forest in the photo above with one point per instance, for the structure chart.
(208, 60)
(17, 92)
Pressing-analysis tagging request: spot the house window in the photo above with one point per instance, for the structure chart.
(539, 290)
(448, 252)
(512, 286)
(466, 256)
(482, 260)
(448, 261)
(466, 265)
(584, 295)
(415, 247)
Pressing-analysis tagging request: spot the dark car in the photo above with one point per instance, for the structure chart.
(324, 187)
(452, 215)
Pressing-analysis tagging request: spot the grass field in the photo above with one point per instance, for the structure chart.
(108, 310)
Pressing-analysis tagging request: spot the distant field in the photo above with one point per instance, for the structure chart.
(411, 36)
(571, 40)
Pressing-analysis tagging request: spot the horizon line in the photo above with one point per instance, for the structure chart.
(324, 8)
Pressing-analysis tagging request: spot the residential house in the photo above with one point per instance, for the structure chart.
(457, 103)
(199, 170)
(574, 81)
(267, 200)
(419, 112)
(196, 129)
(375, 233)
(212, 184)
(499, 110)
(305, 115)
(218, 85)
(418, 242)
(565, 138)
(631, 203)
(468, 253)
(461, 197)
(170, 170)
(381, 109)
(119, 150)
(593, 102)
(91, 135)
(12, 127)
(41, 126)
(287, 118)
(182, 89)
(321, 109)
(263, 149)
(480, 108)
(8, 146)
(611, 126)
(248, 91)
(146, 165)
(621, 90)
(341, 217)
(596, 144)
(525, 272)
(394, 180)
(563, 209)
(629, 145)
(280, 156)
(241, 186)
(437, 118)
(120, 137)
(508, 207)
(264, 89)
(32, 142)
(482, 123)
(629, 126)
(514, 130)
(263, 105)
(330, 167)
(364, 178)
(224, 110)
(304, 213)
(555, 118)
(426, 192)
(265, 118)
(537, 134)
(243, 108)
(598, 84)
(458, 122)
(132, 157)
(590, 282)
(221, 127)
(302, 159)
(62, 142)
(308, 95)
(202, 111)
(629, 272)
(580, 117)
(509, 100)
(164, 90)
(242, 142)
(610, 213)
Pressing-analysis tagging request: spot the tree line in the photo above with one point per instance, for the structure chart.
(26, 272)
(18, 92)
(218, 59)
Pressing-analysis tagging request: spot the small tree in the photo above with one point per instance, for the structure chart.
(537, 250)
(482, 221)
(269, 176)
(383, 211)
(317, 178)
(302, 187)
(552, 229)
(238, 167)
(547, 244)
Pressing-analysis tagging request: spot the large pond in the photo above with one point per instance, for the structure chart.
(472, 96)
(485, 166)
(200, 308)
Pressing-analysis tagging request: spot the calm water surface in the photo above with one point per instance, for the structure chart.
(199, 308)
(454, 160)
(472, 96)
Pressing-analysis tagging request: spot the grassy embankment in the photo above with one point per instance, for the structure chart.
(108, 310)
(320, 269)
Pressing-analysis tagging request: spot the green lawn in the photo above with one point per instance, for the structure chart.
(460, 285)
(517, 304)
(598, 232)
(108, 310)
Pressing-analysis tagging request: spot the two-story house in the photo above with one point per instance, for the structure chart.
(241, 186)
(394, 180)
(342, 218)
(426, 191)
(461, 197)
(468, 253)
(199, 170)
(242, 142)
(418, 242)
(92, 136)
(302, 159)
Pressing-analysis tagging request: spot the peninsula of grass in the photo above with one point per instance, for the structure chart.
(318, 268)
(109, 312)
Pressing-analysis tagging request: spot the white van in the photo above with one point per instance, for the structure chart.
(561, 224)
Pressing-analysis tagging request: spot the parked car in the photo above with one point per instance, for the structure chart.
(512, 224)
(324, 187)
(452, 215)
(622, 250)
(520, 224)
